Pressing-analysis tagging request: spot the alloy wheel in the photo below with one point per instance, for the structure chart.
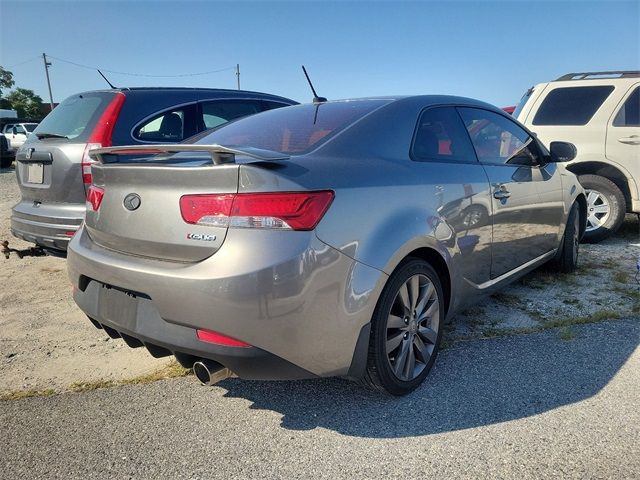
(598, 210)
(412, 327)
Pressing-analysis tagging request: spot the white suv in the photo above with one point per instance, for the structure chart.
(599, 112)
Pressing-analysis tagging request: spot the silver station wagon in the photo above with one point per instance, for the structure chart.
(327, 239)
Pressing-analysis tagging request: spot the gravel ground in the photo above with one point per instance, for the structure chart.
(526, 407)
(47, 343)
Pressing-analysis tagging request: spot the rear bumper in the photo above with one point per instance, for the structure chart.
(301, 304)
(50, 226)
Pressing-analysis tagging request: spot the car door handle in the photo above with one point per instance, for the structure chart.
(501, 192)
(632, 140)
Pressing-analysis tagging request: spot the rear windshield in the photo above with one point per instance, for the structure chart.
(74, 118)
(292, 130)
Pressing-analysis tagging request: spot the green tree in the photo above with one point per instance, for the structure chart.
(6, 79)
(25, 102)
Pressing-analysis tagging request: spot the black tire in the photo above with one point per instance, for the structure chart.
(602, 193)
(566, 260)
(399, 370)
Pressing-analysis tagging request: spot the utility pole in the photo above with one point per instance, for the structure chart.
(46, 71)
(238, 74)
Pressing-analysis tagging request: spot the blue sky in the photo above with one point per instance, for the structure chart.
(485, 49)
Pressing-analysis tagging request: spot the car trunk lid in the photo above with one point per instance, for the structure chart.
(139, 210)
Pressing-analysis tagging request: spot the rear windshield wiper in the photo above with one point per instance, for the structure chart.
(50, 135)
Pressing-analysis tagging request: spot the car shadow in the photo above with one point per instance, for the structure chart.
(472, 384)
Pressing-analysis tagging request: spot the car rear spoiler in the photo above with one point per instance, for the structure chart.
(219, 154)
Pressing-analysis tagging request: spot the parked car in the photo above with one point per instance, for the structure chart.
(600, 113)
(53, 166)
(323, 239)
(6, 155)
(16, 133)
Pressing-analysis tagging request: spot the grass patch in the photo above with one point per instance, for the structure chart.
(567, 334)
(620, 276)
(172, 370)
(564, 324)
(598, 316)
(20, 394)
(507, 299)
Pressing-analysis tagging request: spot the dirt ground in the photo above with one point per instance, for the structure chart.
(47, 343)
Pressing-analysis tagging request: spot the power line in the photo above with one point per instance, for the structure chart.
(22, 63)
(141, 74)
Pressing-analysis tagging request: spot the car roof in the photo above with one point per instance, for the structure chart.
(426, 100)
(194, 90)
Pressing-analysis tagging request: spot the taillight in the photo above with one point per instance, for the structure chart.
(94, 197)
(219, 339)
(102, 133)
(282, 211)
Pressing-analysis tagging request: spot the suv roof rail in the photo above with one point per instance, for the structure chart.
(599, 75)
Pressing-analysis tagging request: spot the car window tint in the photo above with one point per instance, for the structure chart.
(571, 105)
(270, 105)
(20, 129)
(441, 136)
(215, 114)
(8, 127)
(497, 140)
(166, 127)
(31, 126)
(292, 130)
(629, 114)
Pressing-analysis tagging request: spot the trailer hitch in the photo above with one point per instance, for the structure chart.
(27, 252)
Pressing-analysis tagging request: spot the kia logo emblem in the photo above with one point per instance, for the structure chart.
(132, 201)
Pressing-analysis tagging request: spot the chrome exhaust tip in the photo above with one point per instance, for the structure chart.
(210, 372)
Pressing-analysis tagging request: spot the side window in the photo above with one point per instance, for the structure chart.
(20, 129)
(498, 140)
(441, 136)
(166, 127)
(571, 105)
(629, 114)
(216, 113)
(8, 127)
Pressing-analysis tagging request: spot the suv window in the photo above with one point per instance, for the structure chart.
(8, 127)
(166, 127)
(497, 140)
(571, 105)
(629, 114)
(216, 113)
(441, 136)
(19, 129)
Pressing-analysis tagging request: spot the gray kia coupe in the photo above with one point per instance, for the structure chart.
(327, 239)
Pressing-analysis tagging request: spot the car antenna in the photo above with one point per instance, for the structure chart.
(105, 79)
(316, 98)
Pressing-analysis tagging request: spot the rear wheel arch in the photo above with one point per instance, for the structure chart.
(433, 258)
(608, 171)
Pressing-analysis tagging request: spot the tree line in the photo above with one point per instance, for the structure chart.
(25, 102)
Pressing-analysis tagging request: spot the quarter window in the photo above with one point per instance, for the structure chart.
(498, 140)
(441, 136)
(167, 127)
(629, 114)
(571, 105)
(217, 113)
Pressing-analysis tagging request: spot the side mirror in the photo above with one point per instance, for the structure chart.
(14, 131)
(562, 151)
